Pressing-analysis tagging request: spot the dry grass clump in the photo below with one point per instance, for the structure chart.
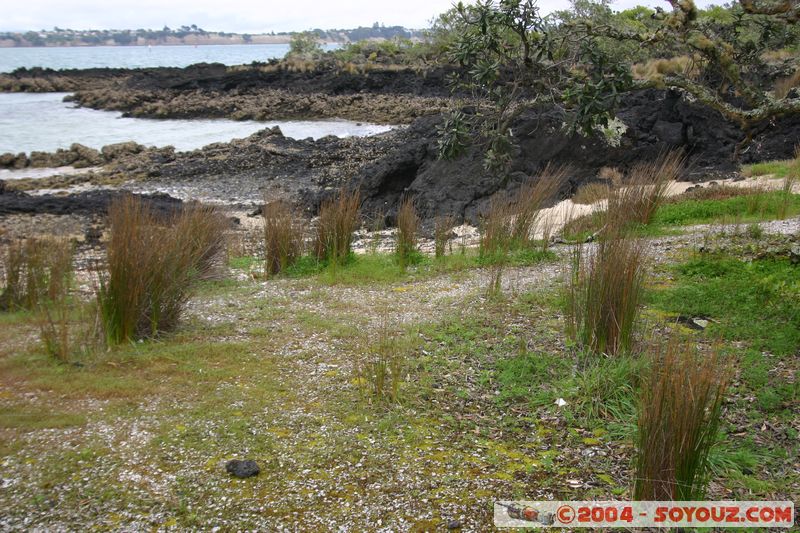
(338, 219)
(591, 193)
(153, 262)
(784, 85)
(678, 420)
(407, 229)
(644, 190)
(613, 175)
(442, 230)
(514, 221)
(283, 236)
(34, 272)
(529, 201)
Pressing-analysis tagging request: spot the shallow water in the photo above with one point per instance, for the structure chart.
(44, 122)
(140, 56)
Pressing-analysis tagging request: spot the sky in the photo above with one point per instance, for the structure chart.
(242, 16)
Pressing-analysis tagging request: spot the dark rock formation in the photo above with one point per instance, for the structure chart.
(84, 203)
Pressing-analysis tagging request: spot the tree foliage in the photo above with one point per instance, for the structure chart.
(512, 58)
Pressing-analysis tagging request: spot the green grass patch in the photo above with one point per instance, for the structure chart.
(776, 169)
(29, 418)
(747, 208)
(757, 302)
(741, 209)
(384, 268)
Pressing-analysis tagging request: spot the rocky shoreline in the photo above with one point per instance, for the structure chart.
(404, 161)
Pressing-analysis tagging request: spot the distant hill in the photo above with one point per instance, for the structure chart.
(191, 35)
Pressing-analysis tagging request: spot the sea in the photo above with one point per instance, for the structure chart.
(82, 57)
(45, 122)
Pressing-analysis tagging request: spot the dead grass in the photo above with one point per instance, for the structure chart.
(283, 236)
(338, 219)
(153, 262)
(678, 421)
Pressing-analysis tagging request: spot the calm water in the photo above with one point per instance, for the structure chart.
(140, 56)
(44, 122)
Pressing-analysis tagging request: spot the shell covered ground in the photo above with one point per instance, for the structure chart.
(493, 403)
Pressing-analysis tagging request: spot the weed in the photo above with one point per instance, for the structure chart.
(283, 237)
(678, 420)
(338, 219)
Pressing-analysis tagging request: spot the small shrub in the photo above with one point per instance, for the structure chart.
(605, 292)
(283, 237)
(338, 219)
(407, 229)
(442, 230)
(152, 263)
(677, 425)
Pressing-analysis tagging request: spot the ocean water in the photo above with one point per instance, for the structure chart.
(44, 122)
(140, 56)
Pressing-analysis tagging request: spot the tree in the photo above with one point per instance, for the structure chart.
(512, 59)
(726, 53)
(304, 46)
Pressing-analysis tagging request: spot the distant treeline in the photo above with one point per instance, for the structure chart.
(192, 35)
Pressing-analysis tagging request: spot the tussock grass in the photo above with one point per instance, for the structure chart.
(338, 219)
(645, 190)
(606, 284)
(591, 193)
(605, 292)
(153, 262)
(380, 374)
(407, 229)
(678, 420)
(442, 230)
(34, 271)
(512, 222)
(283, 237)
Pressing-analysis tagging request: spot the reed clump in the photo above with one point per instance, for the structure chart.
(442, 231)
(283, 237)
(679, 416)
(605, 291)
(407, 229)
(34, 271)
(153, 262)
(338, 219)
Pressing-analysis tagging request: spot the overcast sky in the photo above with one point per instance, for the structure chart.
(250, 16)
